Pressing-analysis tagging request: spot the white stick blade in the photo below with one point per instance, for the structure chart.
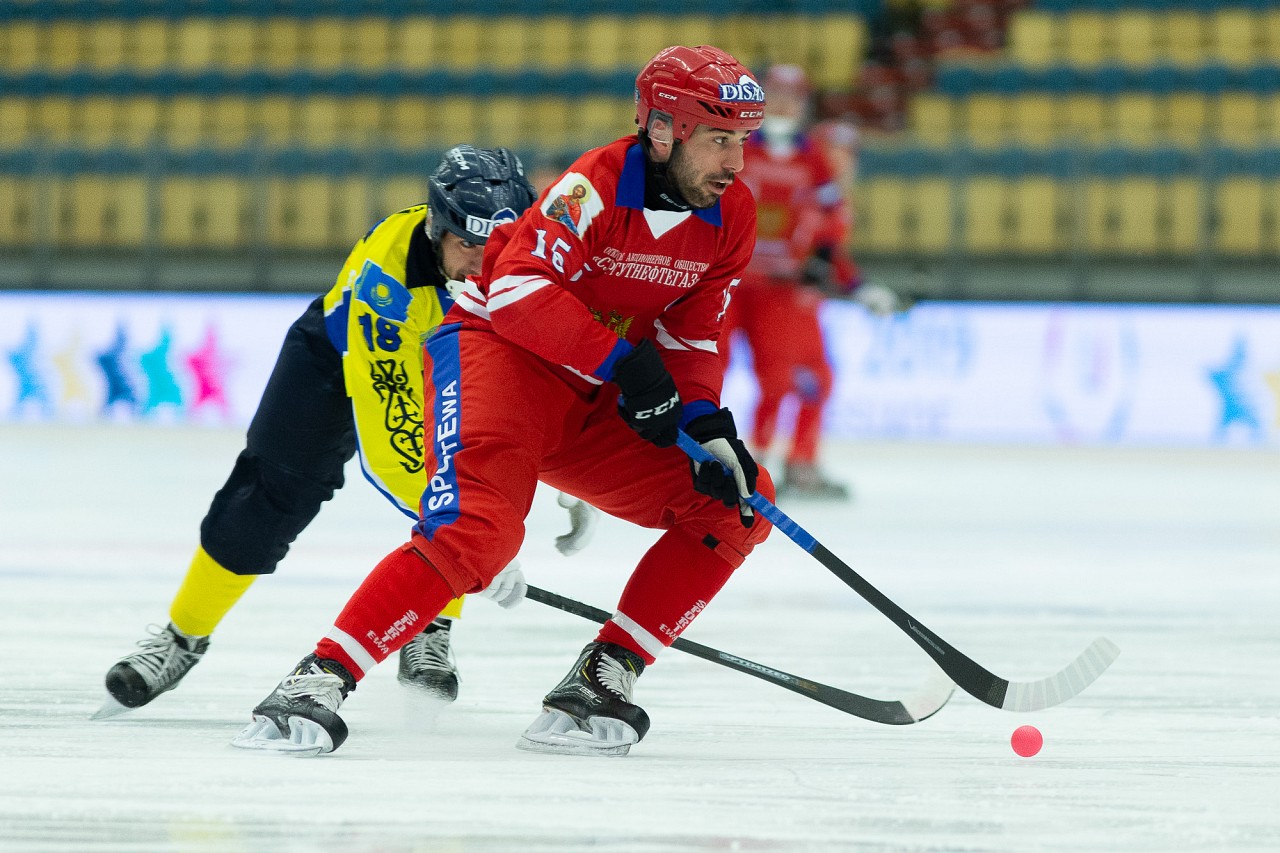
(1056, 689)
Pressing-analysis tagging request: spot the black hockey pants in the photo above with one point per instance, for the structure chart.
(300, 438)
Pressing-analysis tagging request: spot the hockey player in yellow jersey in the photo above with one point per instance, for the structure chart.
(348, 376)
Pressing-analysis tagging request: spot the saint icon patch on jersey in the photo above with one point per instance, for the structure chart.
(573, 202)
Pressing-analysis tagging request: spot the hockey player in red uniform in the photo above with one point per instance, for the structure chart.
(573, 359)
(803, 224)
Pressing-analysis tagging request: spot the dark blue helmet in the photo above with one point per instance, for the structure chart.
(474, 190)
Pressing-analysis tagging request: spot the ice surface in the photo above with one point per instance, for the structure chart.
(1017, 556)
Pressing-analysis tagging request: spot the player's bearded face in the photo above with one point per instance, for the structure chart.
(703, 167)
(459, 258)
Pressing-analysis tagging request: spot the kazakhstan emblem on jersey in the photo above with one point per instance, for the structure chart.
(382, 293)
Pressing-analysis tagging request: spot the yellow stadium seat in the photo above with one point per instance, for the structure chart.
(1269, 119)
(56, 119)
(510, 36)
(1084, 118)
(1240, 217)
(148, 45)
(1033, 38)
(397, 192)
(882, 210)
(409, 120)
(239, 46)
(840, 44)
(504, 120)
(185, 121)
(108, 44)
(550, 124)
(1188, 117)
(1239, 119)
(139, 120)
(787, 39)
(986, 119)
(1135, 119)
(318, 120)
(931, 219)
(18, 123)
(696, 29)
(555, 42)
(229, 121)
(179, 223)
(1100, 219)
(275, 120)
(739, 34)
(463, 42)
(300, 214)
(1084, 38)
(66, 45)
(228, 217)
(1134, 38)
(369, 43)
(195, 43)
(21, 45)
(415, 43)
(1185, 38)
(985, 215)
(17, 212)
(600, 41)
(103, 211)
(324, 42)
(1033, 120)
(1184, 202)
(455, 119)
(362, 120)
(1137, 203)
(1035, 205)
(353, 211)
(206, 213)
(645, 36)
(601, 120)
(281, 43)
(1233, 37)
(933, 118)
(1268, 24)
(97, 124)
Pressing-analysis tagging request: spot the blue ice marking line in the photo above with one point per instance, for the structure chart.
(758, 502)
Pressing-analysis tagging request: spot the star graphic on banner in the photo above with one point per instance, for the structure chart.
(1237, 408)
(31, 390)
(74, 387)
(162, 388)
(208, 366)
(1273, 382)
(111, 360)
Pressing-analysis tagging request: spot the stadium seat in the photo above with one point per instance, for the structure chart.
(318, 120)
(1238, 120)
(510, 34)
(1269, 34)
(1084, 119)
(140, 120)
(195, 43)
(353, 211)
(280, 44)
(1185, 38)
(185, 121)
(505, 120)
(1099, 216)
(840, 44)
(108, 45)
(239, 47)
(931, 118)
(148, 47)
(408, 121)
(415, 43)
(1134, 119)
(1035, 205)
(461, 42)
(985, 215)
(97, 121)
(1233, 38)
(1184, 201)
(275, 120)
(397, 192)
(1033, 120)
(1188, 117)
(66, 45)
(455, 119)
(17, 212)
(1133, 38)
(229, 121)
(1033, 38)
(368, 45)
(881, 216)
(986, 119)
(1137, 216)
(645, 36)
(18, 124)
(932, 218)
(362, 121)
(56, 119)
(1085, 39)
(21, 46)
(600, 38)
(1238, 206)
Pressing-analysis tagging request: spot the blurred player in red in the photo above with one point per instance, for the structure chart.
(587, 341)
(803, 224)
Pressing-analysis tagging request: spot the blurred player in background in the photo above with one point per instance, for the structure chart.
(350, 372)
(587, 341)
(800, 259)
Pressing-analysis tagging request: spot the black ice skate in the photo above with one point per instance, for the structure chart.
(159, 664)
(300, 716)
(426, 663)
(803, 480)
(590, 712)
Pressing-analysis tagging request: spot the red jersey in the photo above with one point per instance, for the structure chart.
(799, 204)
(588, 271)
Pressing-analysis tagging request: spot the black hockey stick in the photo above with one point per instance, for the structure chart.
(967, 674)
(924, 704)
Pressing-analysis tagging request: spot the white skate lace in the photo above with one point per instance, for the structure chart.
(429, 650)
(616, 677)
(323, 688)
(162, 660)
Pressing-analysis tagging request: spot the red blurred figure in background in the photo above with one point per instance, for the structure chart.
(803, 223)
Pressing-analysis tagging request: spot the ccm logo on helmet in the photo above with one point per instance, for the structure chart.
(484, 227)
(745, 89)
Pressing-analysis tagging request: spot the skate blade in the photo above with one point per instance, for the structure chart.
(555, 732)
(111, 707)
(306, 738)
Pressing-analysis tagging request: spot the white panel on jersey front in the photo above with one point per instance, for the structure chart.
(662, 221)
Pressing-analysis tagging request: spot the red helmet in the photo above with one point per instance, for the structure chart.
(787, 79)
(698, 85)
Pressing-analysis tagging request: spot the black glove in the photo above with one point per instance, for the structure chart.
(819, 270)
(719, 437)
(649, 403)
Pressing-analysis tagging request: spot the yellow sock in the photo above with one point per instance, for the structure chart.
(207, 593)
(453, 610)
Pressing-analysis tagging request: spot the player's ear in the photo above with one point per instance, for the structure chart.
(660, 137)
